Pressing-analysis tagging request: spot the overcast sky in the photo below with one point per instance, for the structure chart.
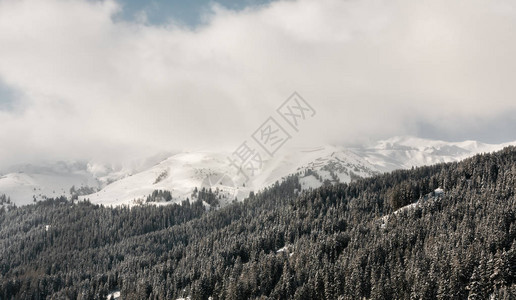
(114, 80)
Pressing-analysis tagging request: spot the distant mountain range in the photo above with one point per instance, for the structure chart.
(183, 173)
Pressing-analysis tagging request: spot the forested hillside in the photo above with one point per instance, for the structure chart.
(386, 237)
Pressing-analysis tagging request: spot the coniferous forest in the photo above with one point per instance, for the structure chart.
(392, 236)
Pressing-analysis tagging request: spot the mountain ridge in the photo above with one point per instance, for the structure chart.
(182, 173)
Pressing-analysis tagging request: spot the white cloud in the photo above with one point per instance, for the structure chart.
(95, 88)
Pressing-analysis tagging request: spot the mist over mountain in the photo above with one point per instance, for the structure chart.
(267, 149)
(78, 82)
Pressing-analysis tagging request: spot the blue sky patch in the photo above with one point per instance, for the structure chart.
(8, 97)
(188, 13)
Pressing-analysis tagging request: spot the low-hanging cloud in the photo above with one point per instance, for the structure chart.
(89, 87)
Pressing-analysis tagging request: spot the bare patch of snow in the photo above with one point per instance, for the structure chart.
(114, 294)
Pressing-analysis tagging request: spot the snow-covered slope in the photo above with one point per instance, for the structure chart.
(25, 183)
(183, 172)
(29, 183)
(406, 152)
(179, 174)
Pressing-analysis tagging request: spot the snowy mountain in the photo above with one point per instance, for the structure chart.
(24, 184)
(406, 152)
(28, 183)
(183, 173)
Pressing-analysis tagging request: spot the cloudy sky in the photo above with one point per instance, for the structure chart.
(114, 80)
